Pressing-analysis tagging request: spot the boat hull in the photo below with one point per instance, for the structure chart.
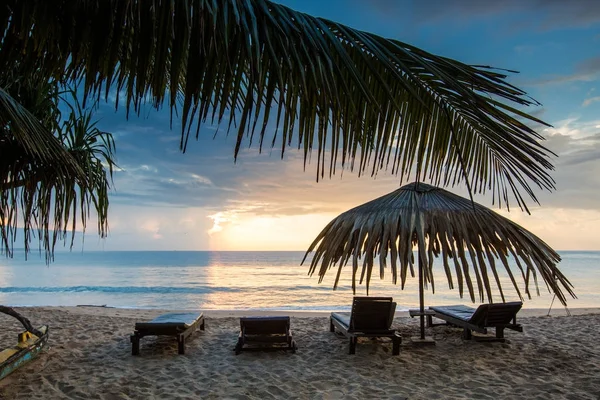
(26, 349)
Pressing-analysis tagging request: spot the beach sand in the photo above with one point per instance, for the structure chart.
(89, 357)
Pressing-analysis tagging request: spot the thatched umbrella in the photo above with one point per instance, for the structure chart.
(438, 223)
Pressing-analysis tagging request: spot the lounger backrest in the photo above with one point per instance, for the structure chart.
(372, 313)
(495, 314)
(265, 326)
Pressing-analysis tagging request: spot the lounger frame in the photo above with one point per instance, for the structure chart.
(265, 334)
(370, 317)
(499, 316)
(180, 330)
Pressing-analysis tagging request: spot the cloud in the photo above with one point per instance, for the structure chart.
(577, 173)
(591, 65)
(542, 14)
(152, 227)
(585, 71)
(201, 179)
(217, 219)
(590, 100)
(562, 228)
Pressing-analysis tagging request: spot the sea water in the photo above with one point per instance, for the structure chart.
(242, 281)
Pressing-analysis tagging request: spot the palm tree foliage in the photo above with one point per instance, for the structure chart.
(53, 170)
(354, 97)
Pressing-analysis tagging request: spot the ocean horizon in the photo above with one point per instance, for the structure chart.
(239, 280)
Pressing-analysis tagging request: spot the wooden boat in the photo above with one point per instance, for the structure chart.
(27, 348)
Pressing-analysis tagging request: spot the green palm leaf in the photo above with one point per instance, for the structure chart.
(372, 102)
(33, 138)
(51, 174)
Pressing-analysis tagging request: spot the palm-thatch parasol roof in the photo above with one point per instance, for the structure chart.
(468, 237)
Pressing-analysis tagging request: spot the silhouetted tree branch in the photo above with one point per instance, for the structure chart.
(22, 320)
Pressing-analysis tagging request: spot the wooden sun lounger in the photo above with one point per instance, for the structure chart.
(499, 316)
(180, 325)
(265, 333)
(370, 317)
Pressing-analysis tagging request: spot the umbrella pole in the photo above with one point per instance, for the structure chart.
(421, 299)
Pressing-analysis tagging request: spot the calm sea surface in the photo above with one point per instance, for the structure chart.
(234, 280)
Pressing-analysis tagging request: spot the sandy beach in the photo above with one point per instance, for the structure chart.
(89, 357)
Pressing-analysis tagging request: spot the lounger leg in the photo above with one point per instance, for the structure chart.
(500, 332)
(202, 325)
(429, 320)
(135, 345)
(396, 340)
(331, 327)
(467, 334)
(352, 349)
(181, 344)
(238, 346)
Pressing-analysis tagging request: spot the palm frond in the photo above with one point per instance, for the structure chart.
(359, 100)
(35, 140)
(50, 174)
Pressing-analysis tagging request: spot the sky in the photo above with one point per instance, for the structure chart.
(202, 200)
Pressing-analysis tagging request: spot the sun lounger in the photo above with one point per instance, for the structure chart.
(499, 316)
(370, 317)
(265, 333)
(180, 325)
